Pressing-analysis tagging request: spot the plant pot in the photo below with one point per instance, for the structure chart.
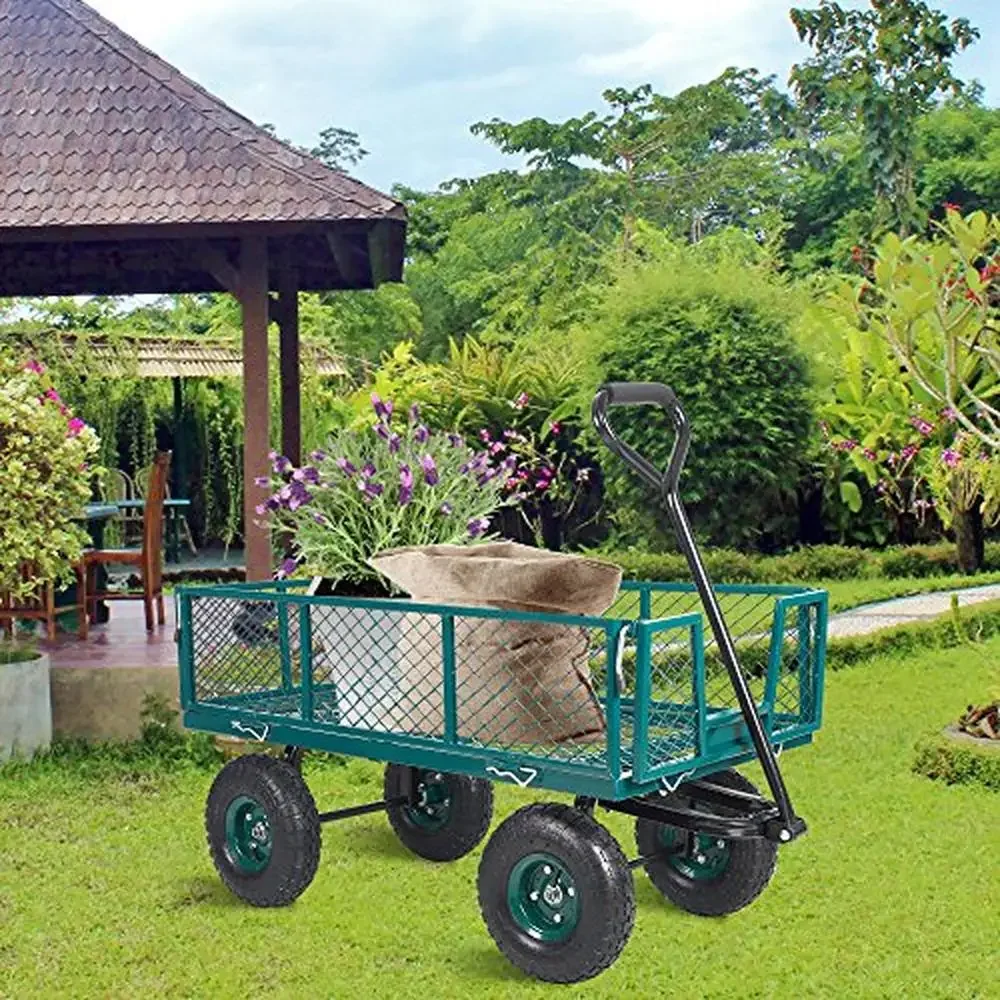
(25, 707)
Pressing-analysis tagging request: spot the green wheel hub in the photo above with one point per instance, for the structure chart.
(696, 856)
(433, 802)
(542, 897)
(249, 841)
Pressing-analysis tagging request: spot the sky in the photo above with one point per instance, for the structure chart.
(411, 76)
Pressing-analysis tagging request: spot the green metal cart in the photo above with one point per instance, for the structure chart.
(390, 680)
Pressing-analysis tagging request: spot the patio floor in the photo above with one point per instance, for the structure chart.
(121, 642)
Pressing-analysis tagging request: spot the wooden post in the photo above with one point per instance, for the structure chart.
(291, 398)
(256, 405)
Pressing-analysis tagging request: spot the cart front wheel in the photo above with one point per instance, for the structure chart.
(556, 893)
(448, 817)
(703, 874)
(263, 830)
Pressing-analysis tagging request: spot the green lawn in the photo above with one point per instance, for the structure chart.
(106, 889)
(846, 594)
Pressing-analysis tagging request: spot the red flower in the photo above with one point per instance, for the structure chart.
(950, 206)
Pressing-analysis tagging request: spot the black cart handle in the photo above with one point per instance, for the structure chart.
(644, 394)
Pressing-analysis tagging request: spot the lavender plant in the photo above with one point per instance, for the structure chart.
(397, 484)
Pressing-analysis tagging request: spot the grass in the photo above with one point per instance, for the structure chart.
(106, 889)
(845, 594)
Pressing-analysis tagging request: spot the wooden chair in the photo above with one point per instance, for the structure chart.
(43, 607)
(117, 485)
(182, 524)
(148, 559)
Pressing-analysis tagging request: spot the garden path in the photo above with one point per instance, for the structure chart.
(903, 610)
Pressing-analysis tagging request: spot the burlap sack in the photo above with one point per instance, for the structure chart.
(517, 682)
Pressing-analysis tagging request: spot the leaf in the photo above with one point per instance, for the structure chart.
(851, 496)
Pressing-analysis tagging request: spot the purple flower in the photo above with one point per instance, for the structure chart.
(273, 503)
(456, 440)
(922, 426)
(869, 454)
(949, 414)
(307, 474)
(484, 435)
(521, 402)
(285, 493)
(318, 456)
(497, 447)
(510, 462)
(346, 467)
(405, 485)
(261, 509)
(281, 465)
(421, 434)
(382, 430)
(321, 519)
(486, 477)
(368, 470)
(478, 526)
(262, 481)
(951, 458)
(463, 469)
(446, 509)
(371, 489)
(287, 568)
(909, 451)
(382, 410)
(272, 455)
(431, 476)
(848, 444)
(414, 413)
(395, 441)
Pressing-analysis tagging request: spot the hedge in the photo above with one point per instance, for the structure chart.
(819, 562)
(959, 762)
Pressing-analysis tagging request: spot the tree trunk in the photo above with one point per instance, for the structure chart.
(969, 539)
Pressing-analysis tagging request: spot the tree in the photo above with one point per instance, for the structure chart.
(884, 68)
(339, 148)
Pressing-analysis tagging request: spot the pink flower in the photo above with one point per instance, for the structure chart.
(949, 414)
(922, 426)
(909, 451)
(521, 402)
(53, 395)
(951, 458)
(74, 427)
(869, 454)
(35, 366)
(556, 427)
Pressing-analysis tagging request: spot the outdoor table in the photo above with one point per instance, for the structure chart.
(173, 509)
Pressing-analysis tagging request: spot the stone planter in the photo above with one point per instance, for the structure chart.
(25, 707)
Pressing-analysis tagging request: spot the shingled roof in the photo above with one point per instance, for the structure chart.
(98, 132)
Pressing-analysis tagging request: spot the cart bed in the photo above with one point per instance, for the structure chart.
(669, 710)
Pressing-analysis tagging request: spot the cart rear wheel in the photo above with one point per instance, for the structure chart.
(263, 830)
(450, 816)
(702, 874)
(556, 893)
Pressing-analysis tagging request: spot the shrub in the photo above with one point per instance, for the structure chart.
(720, 337)
(44, 456)
(958, 763)
(389, 486)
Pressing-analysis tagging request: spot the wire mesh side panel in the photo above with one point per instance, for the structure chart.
(749, 617)
(529, 687)
(244, 648)
(795, 691)
(672, 717)
(383, 669)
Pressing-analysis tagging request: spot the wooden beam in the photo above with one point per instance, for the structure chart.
(350, 260)
(213, 260)
(256, 404)
(385, 252)
(291, 399)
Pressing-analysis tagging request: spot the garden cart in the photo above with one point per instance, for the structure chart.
(677, 709)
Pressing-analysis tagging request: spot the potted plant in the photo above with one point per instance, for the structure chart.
(45, 453)
(396, 484)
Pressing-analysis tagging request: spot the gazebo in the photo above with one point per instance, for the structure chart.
(120, 176)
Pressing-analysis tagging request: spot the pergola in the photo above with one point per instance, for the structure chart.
(120, 176)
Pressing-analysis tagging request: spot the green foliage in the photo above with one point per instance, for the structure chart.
(720, 336)
(46, 457)
(883, 67)
(942, 758)
(809, 564)
(396, 484)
